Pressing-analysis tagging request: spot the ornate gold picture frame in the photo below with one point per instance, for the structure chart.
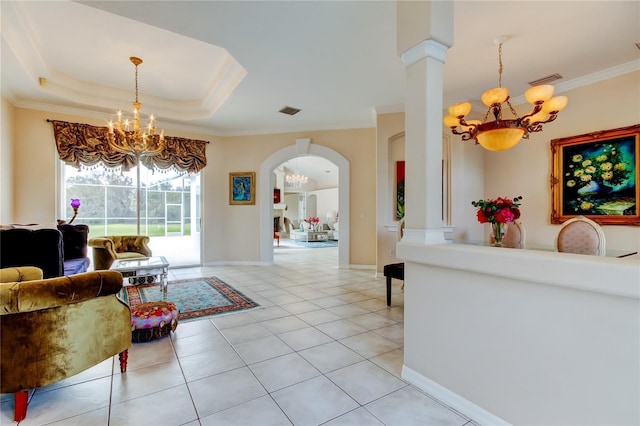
(596, 175)
(242, 188)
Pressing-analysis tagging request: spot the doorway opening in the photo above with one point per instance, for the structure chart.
(266, 185)
(306, 206)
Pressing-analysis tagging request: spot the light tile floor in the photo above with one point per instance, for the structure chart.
(322, 348)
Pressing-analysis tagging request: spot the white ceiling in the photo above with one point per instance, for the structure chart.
(324, 173)
(227, 67)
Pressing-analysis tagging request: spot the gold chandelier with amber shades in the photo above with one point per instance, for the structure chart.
(505, 133)
(135, 141)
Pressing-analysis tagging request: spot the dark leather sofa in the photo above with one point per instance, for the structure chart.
(47, 248)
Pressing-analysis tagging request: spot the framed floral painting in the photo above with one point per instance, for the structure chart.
(242, 188)
(596, 175)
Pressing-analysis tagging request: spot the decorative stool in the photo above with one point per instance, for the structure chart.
(153, 320)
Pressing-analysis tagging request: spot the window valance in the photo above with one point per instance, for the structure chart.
(81, 144)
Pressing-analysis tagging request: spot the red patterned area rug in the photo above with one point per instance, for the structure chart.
(195, 298)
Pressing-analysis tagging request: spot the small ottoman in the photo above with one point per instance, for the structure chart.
(153, 320)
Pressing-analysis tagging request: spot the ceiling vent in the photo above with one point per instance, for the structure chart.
(289, 110)
(545, 80)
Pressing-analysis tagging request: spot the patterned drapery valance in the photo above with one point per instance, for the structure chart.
(81, 144)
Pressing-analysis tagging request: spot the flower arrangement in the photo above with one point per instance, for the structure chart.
(314, 220)
(500, 210)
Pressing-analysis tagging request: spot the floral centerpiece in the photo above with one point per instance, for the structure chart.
(498, 212)
(313, 222)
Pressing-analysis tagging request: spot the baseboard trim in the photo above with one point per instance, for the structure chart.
(451, 399)
(236, 263)
(352, 266)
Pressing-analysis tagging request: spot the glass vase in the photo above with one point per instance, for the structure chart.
(498, 231)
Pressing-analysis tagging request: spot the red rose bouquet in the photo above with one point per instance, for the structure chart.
(500, 210)
(312, 220)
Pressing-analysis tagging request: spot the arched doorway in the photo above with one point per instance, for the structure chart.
(265, 195)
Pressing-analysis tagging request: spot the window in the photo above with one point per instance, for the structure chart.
(169, 205)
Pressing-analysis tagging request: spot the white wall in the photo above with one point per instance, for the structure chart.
(292, 206)
(327, 200)
(319, 203)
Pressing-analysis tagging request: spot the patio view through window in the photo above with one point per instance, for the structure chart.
(169, 207)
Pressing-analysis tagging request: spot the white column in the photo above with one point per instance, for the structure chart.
(424, 63)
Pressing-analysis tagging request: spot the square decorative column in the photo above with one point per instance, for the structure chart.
(425, 31)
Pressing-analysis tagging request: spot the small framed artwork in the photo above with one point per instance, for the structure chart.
(242, 188)
(596, 175)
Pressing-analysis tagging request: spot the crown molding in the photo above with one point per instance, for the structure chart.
(589, 79)
(22, 37)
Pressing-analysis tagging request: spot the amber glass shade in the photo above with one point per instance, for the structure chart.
(500, 139)
(539, 117)
(495, 96)
(557, 103)
(460, 109)
(451, 121)
(541, 93)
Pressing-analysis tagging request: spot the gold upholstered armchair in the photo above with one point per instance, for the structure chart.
(108, 249)
(52, 329)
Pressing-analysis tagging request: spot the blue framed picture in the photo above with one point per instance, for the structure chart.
(242, 188)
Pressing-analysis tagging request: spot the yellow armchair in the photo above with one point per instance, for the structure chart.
(108, 249)
(55, 328)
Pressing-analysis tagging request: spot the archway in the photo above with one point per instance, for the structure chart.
(265, 195)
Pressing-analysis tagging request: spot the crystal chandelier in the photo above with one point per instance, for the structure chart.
(502, 134)
(297, 179)
(135, 142)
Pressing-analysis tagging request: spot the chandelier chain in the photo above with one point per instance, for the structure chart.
(500, 67)
(136, 83)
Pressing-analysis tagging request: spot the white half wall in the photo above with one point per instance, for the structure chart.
(531, 337)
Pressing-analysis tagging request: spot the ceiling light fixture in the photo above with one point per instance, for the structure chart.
(135, 142)
(502, 134)
(297, 179)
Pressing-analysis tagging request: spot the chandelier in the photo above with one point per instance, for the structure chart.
(501, 133)
(297, 179)
(134, 141)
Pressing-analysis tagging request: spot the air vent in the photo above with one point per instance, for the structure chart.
(546, 80)
(289, 110)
